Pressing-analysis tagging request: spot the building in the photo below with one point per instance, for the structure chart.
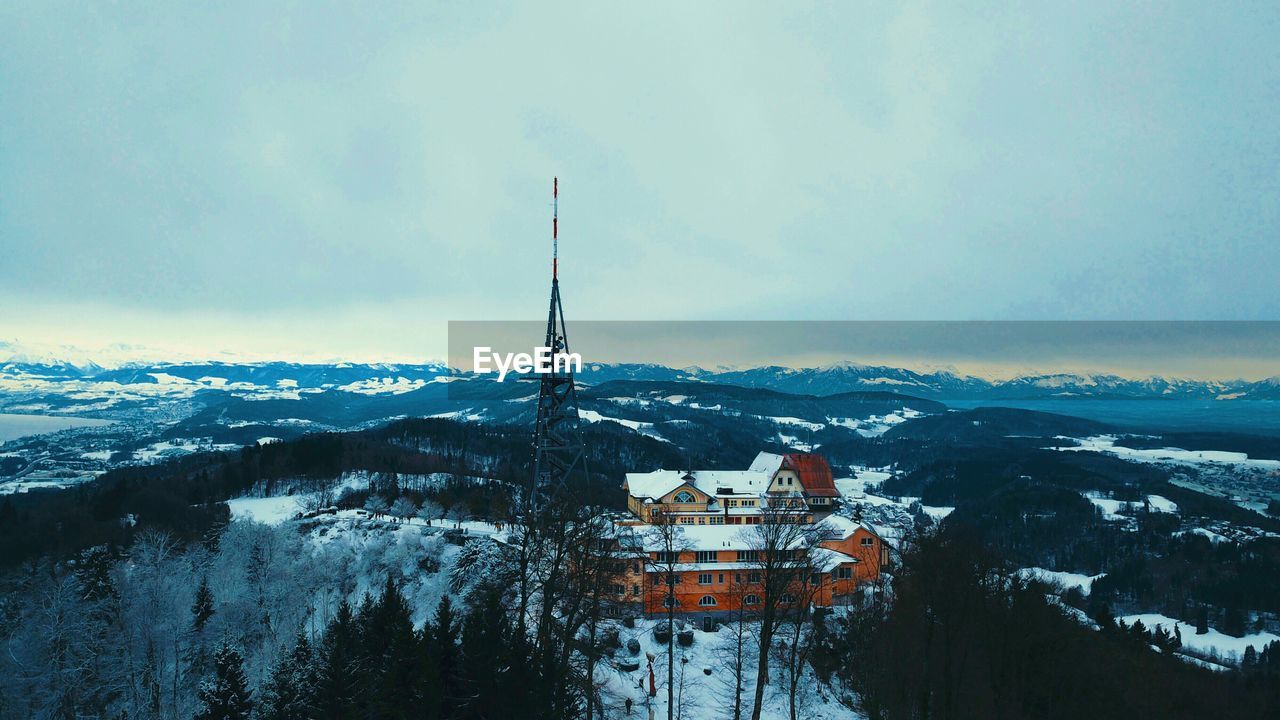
(714, 565)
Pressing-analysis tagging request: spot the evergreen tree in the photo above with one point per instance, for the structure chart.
(393, 656)
(1233, 622)
(486, 660)
(1202, 620)
(202, 609)
(226, 695)
(289, 693)
(444, 636)
(339, 666)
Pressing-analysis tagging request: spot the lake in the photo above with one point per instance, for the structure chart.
(13, 427)
(1256, 417)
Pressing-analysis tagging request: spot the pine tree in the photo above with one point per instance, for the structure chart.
(1202, 620)
(1250, 661)
(289, 693)
(392, 651)
(493, 668)
(339, 664)
(226, 695)
(444, 638)
(202, 609)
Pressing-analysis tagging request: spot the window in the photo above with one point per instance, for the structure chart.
(815, 578)
(731, 503)
(684, 496)
(706, 556)
(751, 600)
(668, 557)
(635, 589)
(748, 556)
(868, 541)
(704, 578)
(707, 601)
(686, 520)
(617, 589)
(787, 598)
(753, 577)
(717, 520)
(657, 580)
(667, 602)
(720, 578)
(843, 573)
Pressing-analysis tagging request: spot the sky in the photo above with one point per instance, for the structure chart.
(339, 181)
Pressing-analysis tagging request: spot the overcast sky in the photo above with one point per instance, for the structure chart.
(285, 179)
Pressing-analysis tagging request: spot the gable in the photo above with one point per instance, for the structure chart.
(698, 497)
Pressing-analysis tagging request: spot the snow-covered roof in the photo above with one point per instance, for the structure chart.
(766, 462)
(654, 484)
(839, 527)
(826, 559)
(659, 483)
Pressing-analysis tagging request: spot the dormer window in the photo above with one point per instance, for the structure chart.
(684, 496)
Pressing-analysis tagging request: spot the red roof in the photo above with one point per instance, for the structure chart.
(815, 473)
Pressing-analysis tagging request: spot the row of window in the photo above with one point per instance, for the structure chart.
(710, 600)
(710, 556)
(711, 578)
(755, 578)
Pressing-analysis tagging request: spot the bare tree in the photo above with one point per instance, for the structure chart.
(734, 656)
(668, 540)
(780, 541)
(796, 628)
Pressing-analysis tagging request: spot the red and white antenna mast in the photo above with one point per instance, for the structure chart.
(555, 229)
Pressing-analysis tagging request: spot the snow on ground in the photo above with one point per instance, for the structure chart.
(1112, 509)
(1216, 642)
(466, 415)
(798, 422)
(269, 510)
(937, 512)
(1176, 456)
(383, 386)
(876, 425)
(703, 694)
(1065, 580)
(1214, 537)
(862, 480)
(795, 443)
(644, 428)
(592, 416)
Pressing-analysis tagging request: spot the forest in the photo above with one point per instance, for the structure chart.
(136, 596)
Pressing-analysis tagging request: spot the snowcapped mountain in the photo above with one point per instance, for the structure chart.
(382, 378)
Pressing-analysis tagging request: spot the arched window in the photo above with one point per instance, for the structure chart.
(751, 600)
(684, 496)
(707, 601)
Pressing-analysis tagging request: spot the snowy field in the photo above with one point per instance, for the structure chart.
(1228, 647)
(1112, 509)
(1064, 580)
(1176, 456)
(860, 487)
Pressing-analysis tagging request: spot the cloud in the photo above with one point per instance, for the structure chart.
(378, 170)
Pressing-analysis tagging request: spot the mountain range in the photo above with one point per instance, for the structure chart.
(380, 378)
